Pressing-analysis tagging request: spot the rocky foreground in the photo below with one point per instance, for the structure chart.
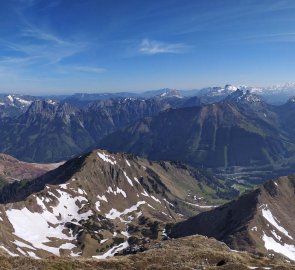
(194, 252)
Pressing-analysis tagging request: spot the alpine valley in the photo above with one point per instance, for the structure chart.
(147, 135)
(164, 179)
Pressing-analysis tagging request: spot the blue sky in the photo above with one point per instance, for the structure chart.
(66, 46)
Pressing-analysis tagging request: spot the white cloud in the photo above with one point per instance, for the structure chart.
(152, 47)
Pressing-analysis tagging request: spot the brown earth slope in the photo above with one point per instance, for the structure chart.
(188, 253)
(261, 221)
(12, 169)
(100, 203)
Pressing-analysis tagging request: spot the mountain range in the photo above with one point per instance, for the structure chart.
(276, 94)
(52, 131)
(240, 137)
(167, 126)
(166, 167)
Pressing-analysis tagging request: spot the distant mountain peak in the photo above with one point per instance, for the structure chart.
(230, 88)
(169, 93)
(217, 91)
(16, 100)
(48, 109)
(243, 96)
(39, 106)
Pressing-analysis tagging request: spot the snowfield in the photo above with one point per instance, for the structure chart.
(40, 229)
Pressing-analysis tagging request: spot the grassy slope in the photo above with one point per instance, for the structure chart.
(195, 252)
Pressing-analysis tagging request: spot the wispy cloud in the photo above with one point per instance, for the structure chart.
(152, 47)
(288, 37)
(79, 69)
(89, 69)
(34, 32)
(36, 47)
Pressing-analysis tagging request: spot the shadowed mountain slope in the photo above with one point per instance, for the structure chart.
(260, 221)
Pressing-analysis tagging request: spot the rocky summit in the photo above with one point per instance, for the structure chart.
(99, 204)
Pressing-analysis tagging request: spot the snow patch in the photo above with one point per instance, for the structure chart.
(136, 180)
(120, 191)
(97, 205)
(128, 179)
(112, 251)
(81, 191)
(103, 241)
(171, 204)
(33, 255)
(102, 198)
(39, 229)
(106, 158)
(155, 199)
(144, 193)
(254, 229)
(285, 249)
(9, 252)
(266, 213)
(21, 244)
(113, 214)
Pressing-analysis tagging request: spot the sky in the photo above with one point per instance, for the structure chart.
(69, 46)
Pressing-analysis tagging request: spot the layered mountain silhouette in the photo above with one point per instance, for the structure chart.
(240, 137)
(237, 137)
(51, 131)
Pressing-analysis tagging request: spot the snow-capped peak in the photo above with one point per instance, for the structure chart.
(171, 93)
(230, 88)
(241, 95)
(15, 100)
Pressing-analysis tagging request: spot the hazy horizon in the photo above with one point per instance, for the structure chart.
(287, 85)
